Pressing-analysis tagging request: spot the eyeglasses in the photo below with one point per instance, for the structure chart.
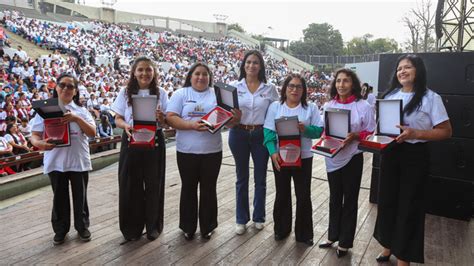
(68, 86)
(295, 86)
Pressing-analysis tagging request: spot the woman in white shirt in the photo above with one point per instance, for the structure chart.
(199, 153)
(345, 169)
(246, 139)
(404, 169)
(68, 164)
(293, 103)
(141, 171)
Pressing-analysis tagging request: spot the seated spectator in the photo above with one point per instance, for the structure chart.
(21, 112)
(18, 142)
(105, 129)
(5, 150)
(25, 128)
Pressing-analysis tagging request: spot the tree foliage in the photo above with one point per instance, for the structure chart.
(365, 45)
(236, 27)
(319, 39)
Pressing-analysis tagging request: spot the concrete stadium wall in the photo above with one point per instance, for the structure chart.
(293, 62)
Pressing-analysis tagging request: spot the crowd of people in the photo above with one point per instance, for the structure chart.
(78, 51)
(182, 82)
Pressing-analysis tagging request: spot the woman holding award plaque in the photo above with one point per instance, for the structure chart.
(404, 169)
(246, 139)
(199, 153)
(344, 170)
(141, 167)
(293, 103)
(70, 163)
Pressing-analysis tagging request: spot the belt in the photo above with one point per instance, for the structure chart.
(249, 127)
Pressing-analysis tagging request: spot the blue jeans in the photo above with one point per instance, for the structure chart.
(242, 144)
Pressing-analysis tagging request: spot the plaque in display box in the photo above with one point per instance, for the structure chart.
(337, 124)
(227, 100)
(144, 121)
(289, 141)
(55, 130)
(389, 115)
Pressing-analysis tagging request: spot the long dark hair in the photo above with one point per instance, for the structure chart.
(132, 85)
(356, 88)
(104, 122)
(261, 73)
(419, 85)
(76, 96)
(187, 81)
(304, 103)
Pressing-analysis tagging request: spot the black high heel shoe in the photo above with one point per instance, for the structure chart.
(326, 244)
(341, 253)
(382, 258)
(207, 236)
(188, 236)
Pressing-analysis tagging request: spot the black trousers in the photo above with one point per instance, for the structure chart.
(282, 210)
(202, 169)
(400, 224)
(344, 186)
(141, 188)
(61, 214)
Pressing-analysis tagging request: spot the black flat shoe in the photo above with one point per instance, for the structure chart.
(308, 242)
(85, 235)
(152, 235)
(341, 253)
(188, 236)
(382, 258)
(59, 239)
(132, 238)
(280, 237)
(207, 236)
(326, 244)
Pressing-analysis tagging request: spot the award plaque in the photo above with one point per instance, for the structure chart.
(337, 124)
(389, 115)
(227, 100)
(289, 141)
(52, 111)
(144, 121)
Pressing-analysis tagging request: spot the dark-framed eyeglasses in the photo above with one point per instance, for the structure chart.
(295, 86)
(67, 86)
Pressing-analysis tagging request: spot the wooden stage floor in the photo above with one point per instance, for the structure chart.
(26, 233)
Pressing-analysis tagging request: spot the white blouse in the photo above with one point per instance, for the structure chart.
(254, 105)
(75, 157)
(362, 119)
(431, 112)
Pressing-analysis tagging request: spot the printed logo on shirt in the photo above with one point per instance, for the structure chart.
(190, 101)
(241, 93)
(198, 111)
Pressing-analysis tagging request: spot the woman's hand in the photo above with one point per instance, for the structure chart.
(350, 137)
(128, 129)
(237, 115)
(160, 116)
(276, 160)
(198, 126)
(70, 117)
(45, 144)
(301, 127)
(407, 133)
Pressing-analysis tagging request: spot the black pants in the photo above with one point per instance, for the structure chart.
(141, 188)
(202, 169)
(400, 224)
(282, 210)
(61, 215)
(344, 185)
